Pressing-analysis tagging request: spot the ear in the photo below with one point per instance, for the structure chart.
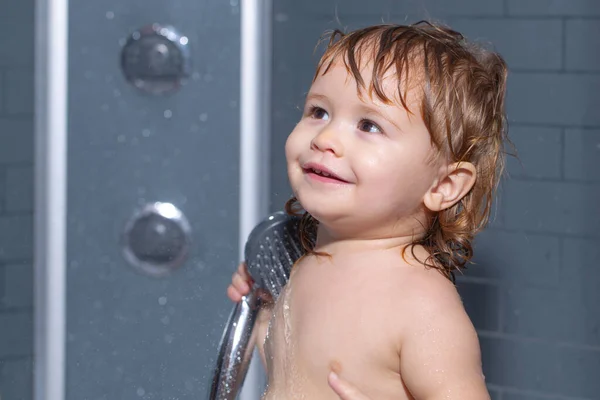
(455, 181)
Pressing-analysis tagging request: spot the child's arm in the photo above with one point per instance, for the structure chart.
(440, 356)
(260, 332)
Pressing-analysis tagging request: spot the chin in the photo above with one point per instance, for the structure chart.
(322, 209)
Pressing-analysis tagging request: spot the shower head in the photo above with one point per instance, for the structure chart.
(271, 250)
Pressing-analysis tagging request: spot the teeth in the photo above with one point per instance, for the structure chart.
(319, 172)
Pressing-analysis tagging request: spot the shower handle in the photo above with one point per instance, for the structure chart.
(235, 349)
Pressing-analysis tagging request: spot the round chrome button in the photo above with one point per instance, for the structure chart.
(157, 239)
(156, 58)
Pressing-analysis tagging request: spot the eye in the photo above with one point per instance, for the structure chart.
(318, 113)
(366, 125)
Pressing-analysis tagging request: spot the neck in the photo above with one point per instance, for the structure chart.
(331, 242)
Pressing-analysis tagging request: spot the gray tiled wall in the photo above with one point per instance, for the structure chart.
(16, 198)
(533, 294)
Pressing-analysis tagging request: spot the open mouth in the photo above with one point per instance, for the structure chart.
(323, 176)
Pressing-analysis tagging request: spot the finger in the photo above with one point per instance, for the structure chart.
(240, 284)
(243, 271)
(343, 389)
(233, 294)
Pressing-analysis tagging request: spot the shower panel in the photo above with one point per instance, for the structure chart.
(133, 258)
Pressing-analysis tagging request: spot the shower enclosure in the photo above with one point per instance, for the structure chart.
(151, 156)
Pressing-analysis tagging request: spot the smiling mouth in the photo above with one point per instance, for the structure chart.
(323, 176)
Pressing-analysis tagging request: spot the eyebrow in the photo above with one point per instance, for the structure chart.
(316, 96)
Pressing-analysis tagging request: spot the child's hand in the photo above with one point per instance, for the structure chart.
(241, 283)
(344, 389)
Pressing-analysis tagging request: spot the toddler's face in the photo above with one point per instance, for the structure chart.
(361, 162)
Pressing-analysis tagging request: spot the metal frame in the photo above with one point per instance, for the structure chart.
(51, 65)
(255, 111)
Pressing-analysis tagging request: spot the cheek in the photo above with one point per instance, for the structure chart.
(396, 179)
(293, 145)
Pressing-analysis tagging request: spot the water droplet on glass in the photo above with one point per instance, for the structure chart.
(208, 78)
(121, 138)
(203, 117)
(110, 15)
(162, 300)
(146, 132)
(196, 76)
(168, 113)
(140, 391)
(168, 339)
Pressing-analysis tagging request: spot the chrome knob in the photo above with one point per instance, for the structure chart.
(157, 239)
(156, 59)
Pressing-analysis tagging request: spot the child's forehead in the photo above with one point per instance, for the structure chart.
(385, 85)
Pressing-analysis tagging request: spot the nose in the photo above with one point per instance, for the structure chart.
(328, 140)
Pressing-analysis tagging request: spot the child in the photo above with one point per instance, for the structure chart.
(395, 161)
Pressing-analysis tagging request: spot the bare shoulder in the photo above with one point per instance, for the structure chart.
(425, 291)
(433, 294)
